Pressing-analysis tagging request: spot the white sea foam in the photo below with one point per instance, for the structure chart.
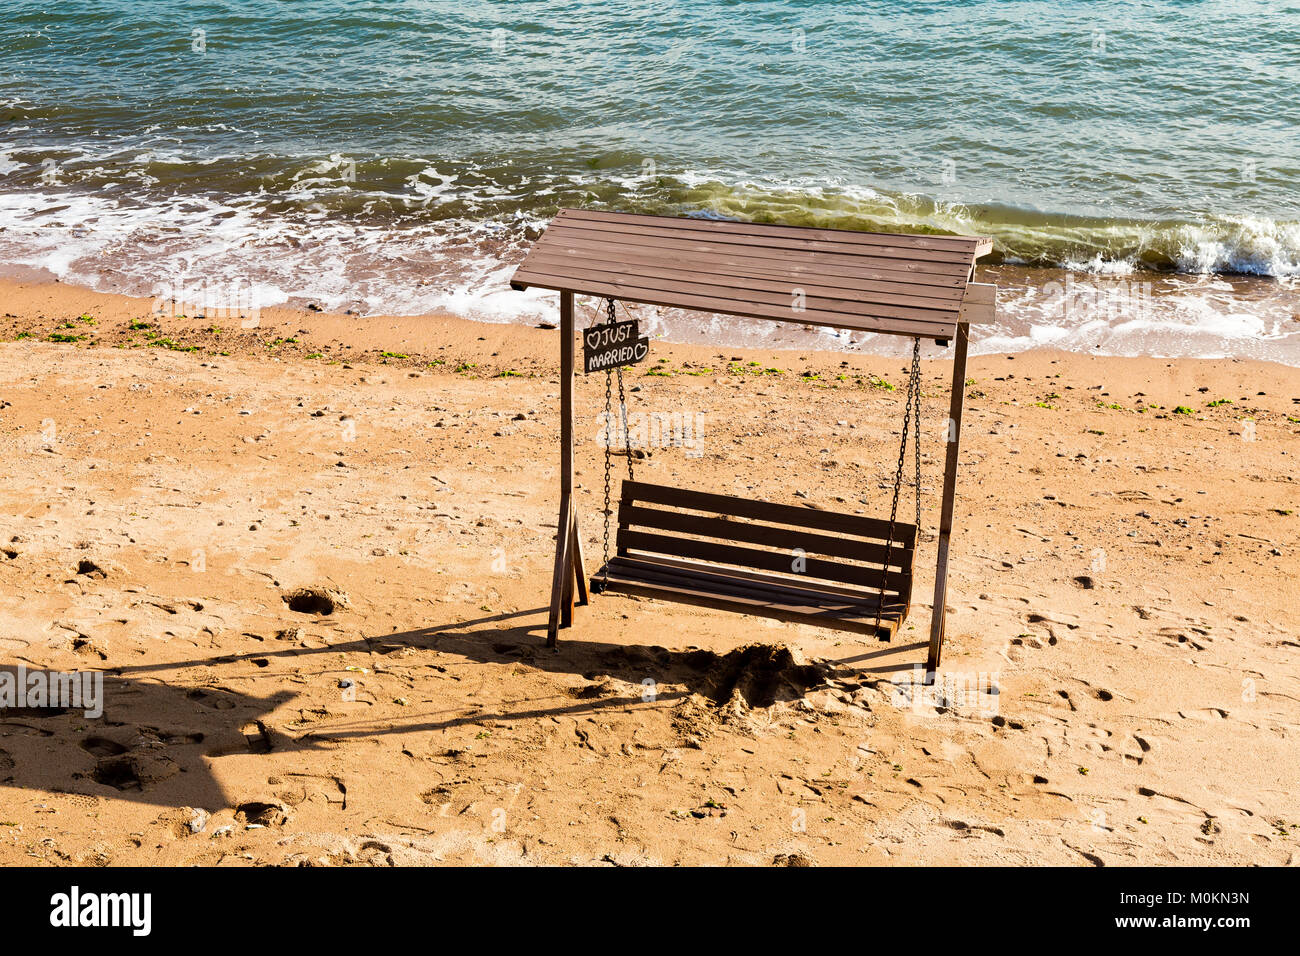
(1098, 265)
(420, 263)
(1250, 245)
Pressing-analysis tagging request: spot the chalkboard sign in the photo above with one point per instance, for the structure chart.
(612, 345)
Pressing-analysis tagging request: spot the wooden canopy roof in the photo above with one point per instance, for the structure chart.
(872, 282)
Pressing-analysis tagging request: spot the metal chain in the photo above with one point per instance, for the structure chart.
(609, 436)
(913, 401)
(622, 404)
(609, 427)
(916, 385)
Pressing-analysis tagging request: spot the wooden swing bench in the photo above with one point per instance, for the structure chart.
(778, 561)
(826, 568)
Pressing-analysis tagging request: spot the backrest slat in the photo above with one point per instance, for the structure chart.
(761, 536)
(772, 536)
(859, 525)
(865, 576)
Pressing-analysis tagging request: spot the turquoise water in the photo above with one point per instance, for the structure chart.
(397, 156)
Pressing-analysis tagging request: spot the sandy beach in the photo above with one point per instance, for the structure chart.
(1124, 567)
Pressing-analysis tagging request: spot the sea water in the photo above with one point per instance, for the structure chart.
(1136, 163)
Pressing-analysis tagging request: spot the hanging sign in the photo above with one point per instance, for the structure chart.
(613, 345)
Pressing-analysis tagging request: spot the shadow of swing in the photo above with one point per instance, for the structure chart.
(482, 640)
(154, 742)
(888, 651)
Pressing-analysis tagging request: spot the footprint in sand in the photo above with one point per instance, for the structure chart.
(313, 788)
(257, 736)
(262, 814)
(102, 747)
(320, 601)
(88, 568)
(1143, 748)
(134, 771)
(171, 739)
(1028, 640)
(217, 701)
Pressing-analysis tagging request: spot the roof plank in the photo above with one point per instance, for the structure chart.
(801, 233)
(746, 264)
(875, 282)
(830, 287)
(646, 234)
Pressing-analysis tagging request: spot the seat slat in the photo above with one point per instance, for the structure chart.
(702, 593)
(743, 581)
(859, 525)
(828, 604)
(679, 595)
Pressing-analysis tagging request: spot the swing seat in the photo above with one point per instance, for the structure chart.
(759, 558)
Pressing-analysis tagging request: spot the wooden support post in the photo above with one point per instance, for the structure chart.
(561, 580)
(579, 566)
(953, 437)
(566, 534)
